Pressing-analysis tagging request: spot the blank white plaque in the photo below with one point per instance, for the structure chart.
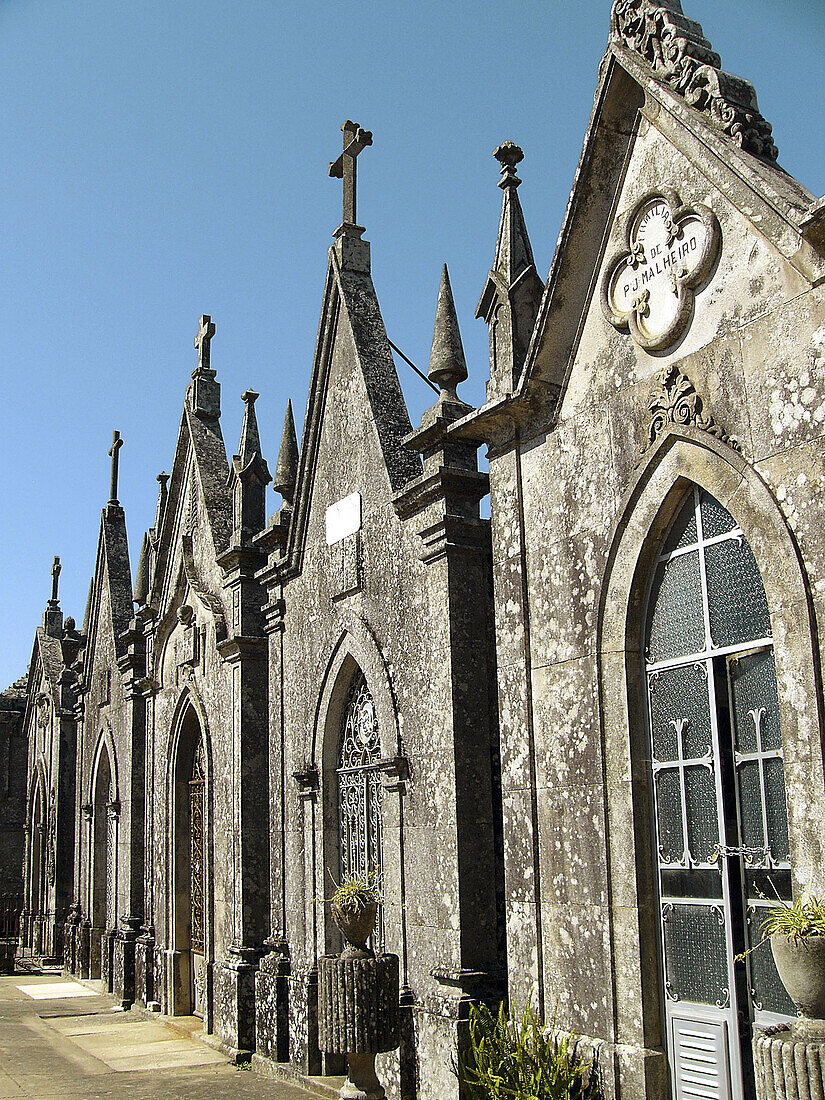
(343, 518)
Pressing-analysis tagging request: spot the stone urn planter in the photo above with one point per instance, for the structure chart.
(800, 962)
(356, 926)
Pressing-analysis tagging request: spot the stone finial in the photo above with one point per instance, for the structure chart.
(508, 154)
(448, 366)
(56, 567)
(203, 341)
(345, 168)
(286, 471)
(141, 591)
(250, 440)
(53, 616)
(204, 392)
(117, 443)
(163, 494)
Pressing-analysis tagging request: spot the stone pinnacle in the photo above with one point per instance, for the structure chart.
(448, 366)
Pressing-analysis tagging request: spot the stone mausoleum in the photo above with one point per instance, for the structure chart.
(582, 740)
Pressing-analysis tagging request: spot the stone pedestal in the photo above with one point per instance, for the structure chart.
(358, 1016)
(236, 981)
(302, 985)
(84, 950)
(272, 1007)
(145, 968)
(123, 978)
(789, 1061)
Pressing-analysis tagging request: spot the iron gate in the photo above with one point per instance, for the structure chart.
(359, 789)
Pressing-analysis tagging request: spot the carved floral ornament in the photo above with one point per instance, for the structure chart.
(675, 401)
(648, 290)
(680, 56)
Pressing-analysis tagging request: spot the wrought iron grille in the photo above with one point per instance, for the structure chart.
(359, 787)
(197, 857)
(111, 893)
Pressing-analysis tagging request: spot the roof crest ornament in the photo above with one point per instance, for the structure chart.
(676, 402)
(679, 55)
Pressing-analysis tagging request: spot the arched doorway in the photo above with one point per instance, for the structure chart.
(104, 904)
(720, 814)
(191, 888)
(37, 866)
(359, 789)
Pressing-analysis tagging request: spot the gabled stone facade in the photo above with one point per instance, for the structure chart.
(379, 679)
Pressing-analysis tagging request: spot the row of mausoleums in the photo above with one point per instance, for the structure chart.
(581, 740)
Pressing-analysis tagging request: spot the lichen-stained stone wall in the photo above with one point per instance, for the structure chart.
(108, 886)
(13, 783)
(420, 632)
(595, 479)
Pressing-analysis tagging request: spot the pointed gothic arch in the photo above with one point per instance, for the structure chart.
(36, 876)
(103, 862)
(683, 459)
(356, 684)
(190, 868)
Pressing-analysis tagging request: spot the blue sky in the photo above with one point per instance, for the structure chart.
(167, 159)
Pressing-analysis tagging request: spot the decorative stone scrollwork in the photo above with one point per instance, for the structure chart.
(649, 289)
(675, 401)
(680, 55)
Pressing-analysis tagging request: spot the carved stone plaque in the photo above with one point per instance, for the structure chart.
(649, 289)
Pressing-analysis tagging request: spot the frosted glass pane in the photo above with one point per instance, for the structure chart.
(695, 954)
(716, 520)
(777, 810)
(755, 702)
(676, 626)
(669, 816)
(684, 531)
(679, 700)
(700, 801)
(736, 598)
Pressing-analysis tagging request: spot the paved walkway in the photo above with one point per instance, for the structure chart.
(59, 1040)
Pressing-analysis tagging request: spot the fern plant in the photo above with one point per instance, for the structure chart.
(803, 918)
(514, 1059)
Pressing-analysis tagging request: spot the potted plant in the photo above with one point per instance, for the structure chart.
(796, 932)
(797, 935)
(354, 906)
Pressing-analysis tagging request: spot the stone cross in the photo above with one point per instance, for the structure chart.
(117, 443)
(55, 578)
(206, 330)
(355, 139)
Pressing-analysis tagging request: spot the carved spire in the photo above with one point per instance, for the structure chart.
(512, 294)
(678, 53)
(114, 454)
(141, 591)
(286, 471)
(448, 366)
(204, 393)
(249, 476)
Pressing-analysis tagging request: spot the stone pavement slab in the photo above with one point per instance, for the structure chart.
(58, 1044)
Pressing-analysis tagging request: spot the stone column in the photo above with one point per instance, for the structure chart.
(789, 1061)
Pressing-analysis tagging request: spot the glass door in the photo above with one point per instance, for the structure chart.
(720, 819)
